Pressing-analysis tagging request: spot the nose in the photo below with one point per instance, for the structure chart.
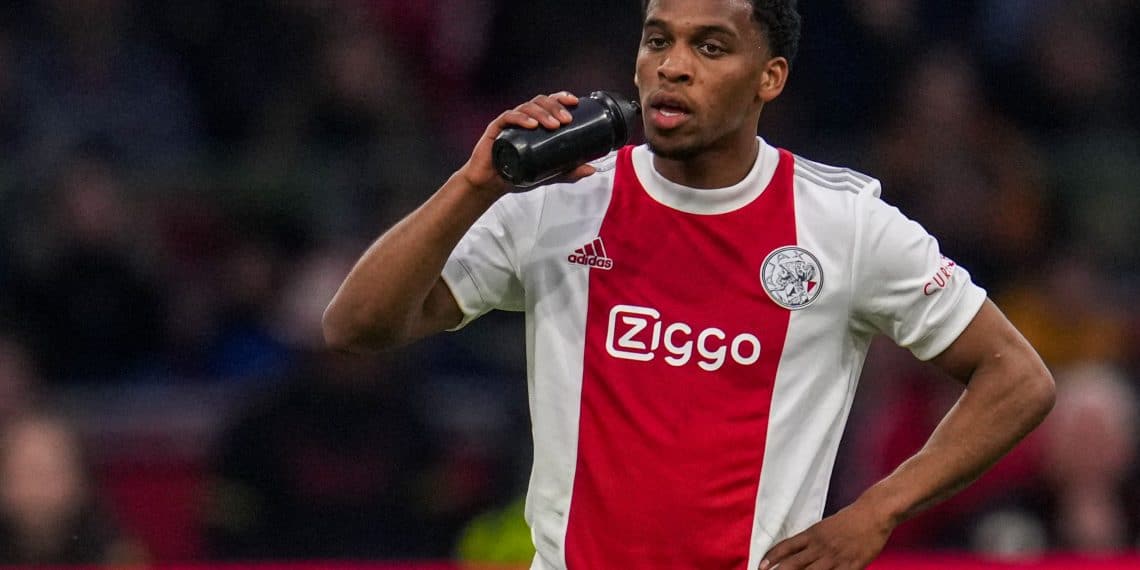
(675, 68)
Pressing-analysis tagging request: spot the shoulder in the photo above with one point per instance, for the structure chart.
(817, 176)
(833, 196)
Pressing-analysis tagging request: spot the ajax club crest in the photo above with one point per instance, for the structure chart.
(792, 277)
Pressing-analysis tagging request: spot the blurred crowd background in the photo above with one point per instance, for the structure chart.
(183, 185)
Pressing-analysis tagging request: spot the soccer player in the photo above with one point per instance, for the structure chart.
(697, 313)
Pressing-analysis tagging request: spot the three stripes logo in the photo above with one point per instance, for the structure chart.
(592, 254)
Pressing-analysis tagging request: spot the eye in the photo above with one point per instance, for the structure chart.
(711, 49)
(656, 43)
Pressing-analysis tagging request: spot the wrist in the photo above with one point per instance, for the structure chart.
(883, 505)
(489, 190)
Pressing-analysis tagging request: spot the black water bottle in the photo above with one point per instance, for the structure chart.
(602, 123)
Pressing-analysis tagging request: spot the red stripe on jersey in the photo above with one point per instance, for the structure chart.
(675, 398)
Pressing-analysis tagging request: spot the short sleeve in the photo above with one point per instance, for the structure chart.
(904, 287)
(483, 269)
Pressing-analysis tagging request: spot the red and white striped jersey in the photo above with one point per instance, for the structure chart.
(693, 353)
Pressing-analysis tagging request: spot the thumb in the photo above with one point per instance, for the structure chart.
(579, 173)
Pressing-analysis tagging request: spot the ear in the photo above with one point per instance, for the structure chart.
(773, 77)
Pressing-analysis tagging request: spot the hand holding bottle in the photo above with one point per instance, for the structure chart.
(601, 123)
(534, 147)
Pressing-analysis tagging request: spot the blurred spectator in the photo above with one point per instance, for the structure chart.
(1086, 499)
(331, 465)
(244, 347)
(1071, 70)
(1068, 80)
(349, 150)
(224, 269)
(48, 511)
(19, 380)
(1093, 322)
(1094, 151)
(95, 308)
(444, 41)
(239, 57)
(968, 175)
(87, 77)
(1095, 173)
(336, 463)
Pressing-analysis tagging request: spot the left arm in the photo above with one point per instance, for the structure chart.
(1008, 393)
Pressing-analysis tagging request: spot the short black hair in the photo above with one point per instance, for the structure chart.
(780, 22)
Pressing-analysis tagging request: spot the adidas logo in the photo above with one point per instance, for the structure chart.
(592, 254)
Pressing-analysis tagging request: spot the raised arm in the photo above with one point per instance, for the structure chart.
(1008, 393)
(394, 294)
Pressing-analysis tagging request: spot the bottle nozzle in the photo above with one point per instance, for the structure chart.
(624, 111)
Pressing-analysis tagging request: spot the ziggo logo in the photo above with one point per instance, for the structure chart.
(636, 333)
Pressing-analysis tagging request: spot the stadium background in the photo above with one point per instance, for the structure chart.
(184, 184)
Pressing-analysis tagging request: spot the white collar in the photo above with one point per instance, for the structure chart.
(707, 201)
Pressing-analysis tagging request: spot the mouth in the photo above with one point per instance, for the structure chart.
(668, 111)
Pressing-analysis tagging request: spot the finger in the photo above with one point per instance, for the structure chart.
(801, 560)
(783, 550)
(542, 114)
(555, 107)
(565, 97)
(579, 173)
(518, 119)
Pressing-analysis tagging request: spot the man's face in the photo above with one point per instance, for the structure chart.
(699, 73)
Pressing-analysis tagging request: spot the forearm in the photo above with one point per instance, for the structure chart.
(1005, 399)
(383, 300)
(395, 294)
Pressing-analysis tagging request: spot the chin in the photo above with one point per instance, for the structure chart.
(673, 151)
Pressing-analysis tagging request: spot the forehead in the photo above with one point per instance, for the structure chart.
(733, 14)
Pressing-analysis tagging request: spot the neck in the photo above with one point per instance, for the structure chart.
(716, 167)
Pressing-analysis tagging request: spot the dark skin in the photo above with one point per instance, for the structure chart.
(705, 72)
(1008, 392)
(714, 59)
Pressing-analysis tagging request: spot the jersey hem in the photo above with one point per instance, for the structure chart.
(461, 284)
(943, 335)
